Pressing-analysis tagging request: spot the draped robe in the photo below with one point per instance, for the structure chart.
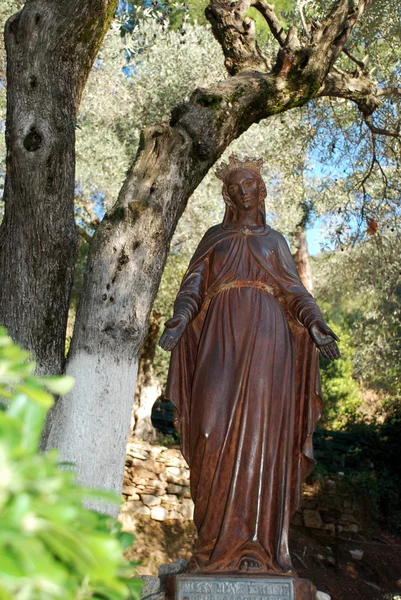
(245, 384)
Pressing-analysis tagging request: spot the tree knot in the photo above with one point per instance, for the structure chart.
(33, 140)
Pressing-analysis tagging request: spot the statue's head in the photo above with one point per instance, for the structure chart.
(243, 187)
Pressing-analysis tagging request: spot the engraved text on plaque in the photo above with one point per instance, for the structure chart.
(233, 588)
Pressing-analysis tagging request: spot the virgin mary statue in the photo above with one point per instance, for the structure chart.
(244, 380)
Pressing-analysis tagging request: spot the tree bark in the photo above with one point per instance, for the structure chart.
(50, 47)
(129, 249)
(301, 258)
(148, 388)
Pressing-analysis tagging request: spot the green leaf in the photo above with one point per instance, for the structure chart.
(58, 385)
(126, 539)
(5, 394)
(51, 546)
(9, 565)
(10, 432)
(36, 393)
(135, 586)
(36, 560)
(32, 416)
(67, 550)
(4, 594)
(20, 507)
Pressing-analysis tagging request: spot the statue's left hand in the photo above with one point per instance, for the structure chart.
(175, 327)
(325, 339)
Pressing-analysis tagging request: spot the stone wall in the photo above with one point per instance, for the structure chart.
(328, 505)
(156, 484)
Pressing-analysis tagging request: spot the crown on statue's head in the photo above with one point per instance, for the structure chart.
(234, 163)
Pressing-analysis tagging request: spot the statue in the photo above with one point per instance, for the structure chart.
(244, 380)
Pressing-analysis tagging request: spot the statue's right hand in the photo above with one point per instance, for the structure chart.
(175, 327)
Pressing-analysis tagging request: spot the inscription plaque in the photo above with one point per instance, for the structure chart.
(234, 588)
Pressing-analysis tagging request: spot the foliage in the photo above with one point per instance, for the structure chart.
(50, 545)
(341, 393)
(131, 88)
(364, 282)
(368, 455)
(168, 440)
(361, 169)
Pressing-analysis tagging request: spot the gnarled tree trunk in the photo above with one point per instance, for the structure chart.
(50, 47)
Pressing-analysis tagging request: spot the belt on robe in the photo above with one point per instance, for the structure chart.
(247, 284)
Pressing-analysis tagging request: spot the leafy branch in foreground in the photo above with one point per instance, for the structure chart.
(51, 546)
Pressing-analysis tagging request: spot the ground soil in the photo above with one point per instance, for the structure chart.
(326, 560)
(317, 555)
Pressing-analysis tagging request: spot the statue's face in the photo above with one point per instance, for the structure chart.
(243, 189)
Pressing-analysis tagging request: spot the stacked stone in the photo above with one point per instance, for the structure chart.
(328, 506)
(156, 483)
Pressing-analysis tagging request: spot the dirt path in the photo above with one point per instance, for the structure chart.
(318, 556)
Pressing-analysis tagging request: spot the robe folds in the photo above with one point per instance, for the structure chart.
(244, 381)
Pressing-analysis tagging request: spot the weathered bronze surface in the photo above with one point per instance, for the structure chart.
(245, 383)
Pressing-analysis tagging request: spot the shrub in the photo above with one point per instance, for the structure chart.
(341, 394)
(51, 546)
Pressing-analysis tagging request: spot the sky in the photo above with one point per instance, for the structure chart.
(314, 238)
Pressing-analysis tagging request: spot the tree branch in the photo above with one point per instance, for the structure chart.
(84, 235)
(360, 90)
(380, 130)
(361, 63)
(267, 11)
(389, 92)
(236, 34)
(330, 37)
(363, 92)
(338, 70)
(301, 4)
(371, 166)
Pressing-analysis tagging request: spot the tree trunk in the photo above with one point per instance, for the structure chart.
(148, 388)
(301, 258)
(125, 264)
(50, 50)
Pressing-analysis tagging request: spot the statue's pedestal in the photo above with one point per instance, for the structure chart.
(233, 586)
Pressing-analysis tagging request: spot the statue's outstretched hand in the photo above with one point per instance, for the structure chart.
(175, 327)
(325, 339)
